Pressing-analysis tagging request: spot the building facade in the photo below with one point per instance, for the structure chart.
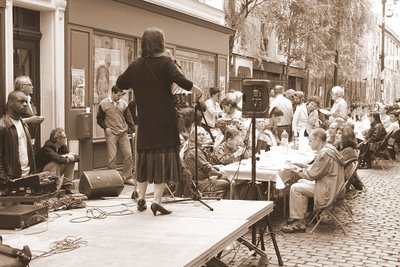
(80, 47)
(261, 57)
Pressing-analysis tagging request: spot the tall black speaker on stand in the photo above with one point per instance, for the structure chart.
(256, 105)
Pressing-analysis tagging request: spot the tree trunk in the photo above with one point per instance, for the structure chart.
(335, 70)
(288, 63)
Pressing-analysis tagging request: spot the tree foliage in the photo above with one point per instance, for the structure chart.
(316, 29)
(236, 14)
(323, 37)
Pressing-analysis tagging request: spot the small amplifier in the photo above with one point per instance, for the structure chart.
(255, 98)
(22, 216)
(103, 183)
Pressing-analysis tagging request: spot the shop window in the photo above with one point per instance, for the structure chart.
(198, 67)
(112, 56)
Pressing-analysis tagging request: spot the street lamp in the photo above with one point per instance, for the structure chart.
(383, 49)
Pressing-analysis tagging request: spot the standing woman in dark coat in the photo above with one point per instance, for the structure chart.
(151, 76)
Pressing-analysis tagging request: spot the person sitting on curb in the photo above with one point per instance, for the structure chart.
(322, 181)
(55, 157)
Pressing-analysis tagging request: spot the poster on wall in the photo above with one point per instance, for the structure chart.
(78, 88)
(107, 68)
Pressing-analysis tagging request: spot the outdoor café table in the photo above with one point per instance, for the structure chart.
(271, 167)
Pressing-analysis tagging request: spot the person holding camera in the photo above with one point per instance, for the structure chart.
(55, 158)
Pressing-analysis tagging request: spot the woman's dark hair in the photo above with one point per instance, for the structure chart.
(376, 116)
(214, 91)
(276, 112)
(348, 137)
(152, 42)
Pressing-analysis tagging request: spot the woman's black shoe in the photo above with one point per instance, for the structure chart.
(155, 207)
(141, 205)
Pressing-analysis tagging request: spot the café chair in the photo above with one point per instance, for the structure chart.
(338, 201)
(352, 191)
(394, 144)
(381, 155)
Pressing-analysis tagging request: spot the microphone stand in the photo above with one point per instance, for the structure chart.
(254, 159)
(196, 195)
(253, 244)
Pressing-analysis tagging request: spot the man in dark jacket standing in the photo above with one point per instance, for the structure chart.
(16, 152)
(55, 158)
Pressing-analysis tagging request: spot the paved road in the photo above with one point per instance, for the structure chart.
(373, 238)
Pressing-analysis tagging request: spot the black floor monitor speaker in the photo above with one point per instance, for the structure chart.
(103, 183)
(255, 98)
(22, 216)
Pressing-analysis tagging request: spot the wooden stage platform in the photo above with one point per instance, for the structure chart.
(190, 236)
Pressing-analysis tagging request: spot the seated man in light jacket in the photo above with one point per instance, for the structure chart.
(322, 181)
(55, 158)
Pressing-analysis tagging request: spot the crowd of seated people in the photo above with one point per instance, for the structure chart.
(231, 129)
(337, 139)
(209, 178)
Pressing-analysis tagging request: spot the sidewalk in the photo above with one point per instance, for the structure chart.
(373, 239)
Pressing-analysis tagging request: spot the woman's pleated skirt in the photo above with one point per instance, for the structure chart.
(159, 165)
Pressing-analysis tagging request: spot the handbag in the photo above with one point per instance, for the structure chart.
(14, 257)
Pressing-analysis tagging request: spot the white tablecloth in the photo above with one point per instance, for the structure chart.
(271, 165)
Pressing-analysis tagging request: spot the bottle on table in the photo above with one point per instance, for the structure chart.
(295, 141)
(284, 138)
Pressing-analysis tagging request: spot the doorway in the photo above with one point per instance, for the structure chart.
(27, 36)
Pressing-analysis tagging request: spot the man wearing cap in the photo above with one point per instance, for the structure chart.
(114, 117)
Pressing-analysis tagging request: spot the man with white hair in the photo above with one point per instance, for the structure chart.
(339, 107)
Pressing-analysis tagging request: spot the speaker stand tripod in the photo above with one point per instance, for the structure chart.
(196, 195)
(253, 244)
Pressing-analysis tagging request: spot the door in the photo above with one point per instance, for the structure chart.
(27, 51)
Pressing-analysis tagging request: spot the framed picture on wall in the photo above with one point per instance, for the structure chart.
(78, 88)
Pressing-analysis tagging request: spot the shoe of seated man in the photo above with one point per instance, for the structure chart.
(295, 226)
(69, 190)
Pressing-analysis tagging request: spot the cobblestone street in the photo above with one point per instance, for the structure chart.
(373, 239)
